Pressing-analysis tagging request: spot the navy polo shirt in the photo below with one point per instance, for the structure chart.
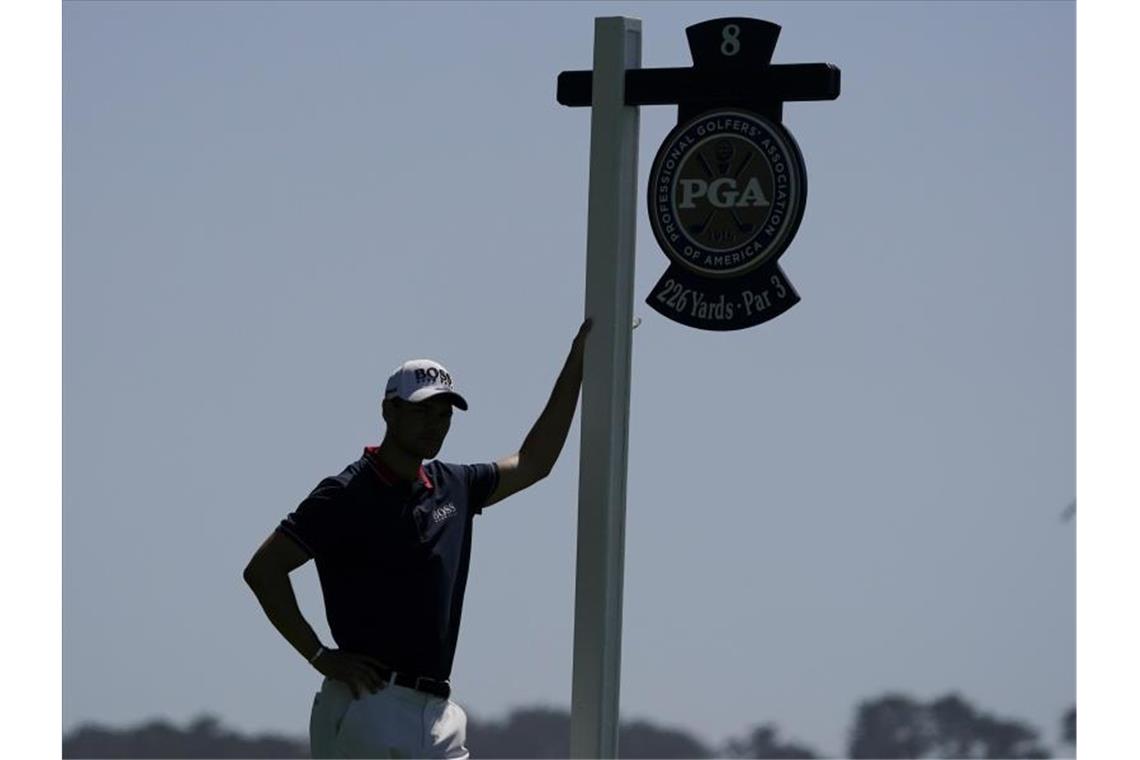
(392, 557)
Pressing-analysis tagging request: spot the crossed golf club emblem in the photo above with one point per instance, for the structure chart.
(722, 153)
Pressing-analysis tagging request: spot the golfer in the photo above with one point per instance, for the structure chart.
(391, 537)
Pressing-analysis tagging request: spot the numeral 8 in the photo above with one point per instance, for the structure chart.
(731, 36)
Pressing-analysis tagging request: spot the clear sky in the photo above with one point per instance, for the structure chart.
(266, 207)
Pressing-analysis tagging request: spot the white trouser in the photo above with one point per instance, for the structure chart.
(394, 722)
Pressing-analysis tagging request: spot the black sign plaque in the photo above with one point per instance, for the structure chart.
(728, 186)
(726, 195)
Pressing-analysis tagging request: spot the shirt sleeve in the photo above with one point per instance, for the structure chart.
(481, 481)
(314, 524)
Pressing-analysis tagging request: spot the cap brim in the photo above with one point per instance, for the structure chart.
(426, 393)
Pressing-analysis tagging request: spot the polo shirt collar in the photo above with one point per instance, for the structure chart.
(386, 474)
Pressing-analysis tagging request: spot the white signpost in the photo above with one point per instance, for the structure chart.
(605, 392)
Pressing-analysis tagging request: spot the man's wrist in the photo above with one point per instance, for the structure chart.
(315, 655)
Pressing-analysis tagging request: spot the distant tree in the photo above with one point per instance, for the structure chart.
(640, 739)
(204, 737)
(536, 732)
(545, 732)
(896, 726)
(1069, 727)
(764, 743)
(892, 726)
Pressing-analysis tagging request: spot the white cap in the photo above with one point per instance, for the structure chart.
(419, 379)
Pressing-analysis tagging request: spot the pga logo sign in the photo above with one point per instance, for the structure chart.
(726, 193)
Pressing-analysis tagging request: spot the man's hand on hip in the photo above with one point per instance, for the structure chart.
(359, 672)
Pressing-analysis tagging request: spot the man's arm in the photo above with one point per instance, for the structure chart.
(268, 576)
(544, 442)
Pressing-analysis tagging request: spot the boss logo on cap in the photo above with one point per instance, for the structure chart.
(431, 375)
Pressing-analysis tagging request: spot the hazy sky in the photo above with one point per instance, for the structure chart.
(266, 207)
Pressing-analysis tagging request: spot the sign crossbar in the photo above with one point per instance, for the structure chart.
(660, 87)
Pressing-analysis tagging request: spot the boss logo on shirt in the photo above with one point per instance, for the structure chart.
(432, 375)
(440, 514)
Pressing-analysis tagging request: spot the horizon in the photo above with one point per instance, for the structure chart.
(1055, 745)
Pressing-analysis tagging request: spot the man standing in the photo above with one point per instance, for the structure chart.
(391, 537)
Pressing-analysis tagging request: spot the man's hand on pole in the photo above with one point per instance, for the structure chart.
(579, 345)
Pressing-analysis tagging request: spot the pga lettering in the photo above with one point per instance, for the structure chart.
(722, 193)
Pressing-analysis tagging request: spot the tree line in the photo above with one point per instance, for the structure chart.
(888, 726)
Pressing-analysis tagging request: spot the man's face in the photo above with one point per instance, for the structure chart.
(420, 428)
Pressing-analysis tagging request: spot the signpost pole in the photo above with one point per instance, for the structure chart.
(612, 220)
